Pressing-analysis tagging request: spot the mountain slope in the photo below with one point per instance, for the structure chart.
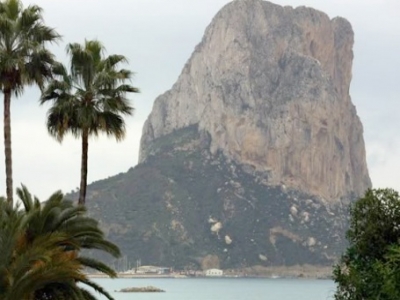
(185, 206)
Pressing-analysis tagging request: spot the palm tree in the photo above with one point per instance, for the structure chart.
(41, 246)
(88, 100)
(24, 60)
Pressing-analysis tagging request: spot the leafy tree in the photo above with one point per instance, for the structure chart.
(24, 60)
(370, 267)
(41, 247)
(88, 100)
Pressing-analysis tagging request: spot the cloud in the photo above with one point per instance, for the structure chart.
(384, 163)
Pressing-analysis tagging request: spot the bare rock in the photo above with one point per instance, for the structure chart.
(216, 227)
(262, 257)
(228, 240)
(305, 216)
(293, 210)
(270, 85)
(311, 242)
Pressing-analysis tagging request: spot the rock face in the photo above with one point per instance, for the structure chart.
(270, 85)
(249, 159)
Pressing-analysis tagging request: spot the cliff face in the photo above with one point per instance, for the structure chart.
(270, 85)
(248, 159)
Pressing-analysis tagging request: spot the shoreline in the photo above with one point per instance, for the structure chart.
(281, 272)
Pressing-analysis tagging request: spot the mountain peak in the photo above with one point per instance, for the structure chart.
(248, 159)
(270, 84)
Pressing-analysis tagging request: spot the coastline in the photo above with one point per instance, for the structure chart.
(297, 271)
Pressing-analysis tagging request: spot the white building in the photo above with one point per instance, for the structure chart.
(214, 272)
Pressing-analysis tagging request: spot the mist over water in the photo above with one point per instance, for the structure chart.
(222, 289)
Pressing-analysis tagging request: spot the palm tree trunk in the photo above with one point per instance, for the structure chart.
(7, 144)
(84, 168)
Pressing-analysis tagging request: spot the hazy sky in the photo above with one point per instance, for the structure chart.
(158, 37)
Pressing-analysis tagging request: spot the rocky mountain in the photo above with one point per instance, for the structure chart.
(188, 207)
(270, 84)
(254, 154)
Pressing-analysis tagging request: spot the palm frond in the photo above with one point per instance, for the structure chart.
(29, 17)
(97, 288)
(97, 265)
(6, 29)
(12, 8)
(40, 247)
(40, 34)
(86, 295)
(91, 99)
(25, 197)
(101, 244)
(38, 68)
(97, 89)
(112, 61)
(23, 35)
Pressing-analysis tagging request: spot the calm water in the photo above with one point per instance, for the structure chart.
(223, 289)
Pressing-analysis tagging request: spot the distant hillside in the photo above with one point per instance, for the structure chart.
(184, 207)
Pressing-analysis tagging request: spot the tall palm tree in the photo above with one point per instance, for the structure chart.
(24, 60)
(89, 99)
(41, 246)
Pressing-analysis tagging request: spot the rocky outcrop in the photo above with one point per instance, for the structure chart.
(247, 160)
(270, 86)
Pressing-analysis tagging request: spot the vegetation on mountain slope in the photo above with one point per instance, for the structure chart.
(184, 205)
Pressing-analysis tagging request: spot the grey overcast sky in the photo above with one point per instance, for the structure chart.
(158, 37)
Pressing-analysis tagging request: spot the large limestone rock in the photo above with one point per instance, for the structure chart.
(270, 85)
(248, 159)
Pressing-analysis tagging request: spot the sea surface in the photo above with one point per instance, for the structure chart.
(222, 288)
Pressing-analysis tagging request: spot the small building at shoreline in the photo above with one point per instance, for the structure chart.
(214, 273)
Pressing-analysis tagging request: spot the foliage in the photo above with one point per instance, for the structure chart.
(89, 99)
(370, 268)
(24, 60)
(41, 246)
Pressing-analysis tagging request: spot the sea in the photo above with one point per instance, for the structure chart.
(221, 288)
